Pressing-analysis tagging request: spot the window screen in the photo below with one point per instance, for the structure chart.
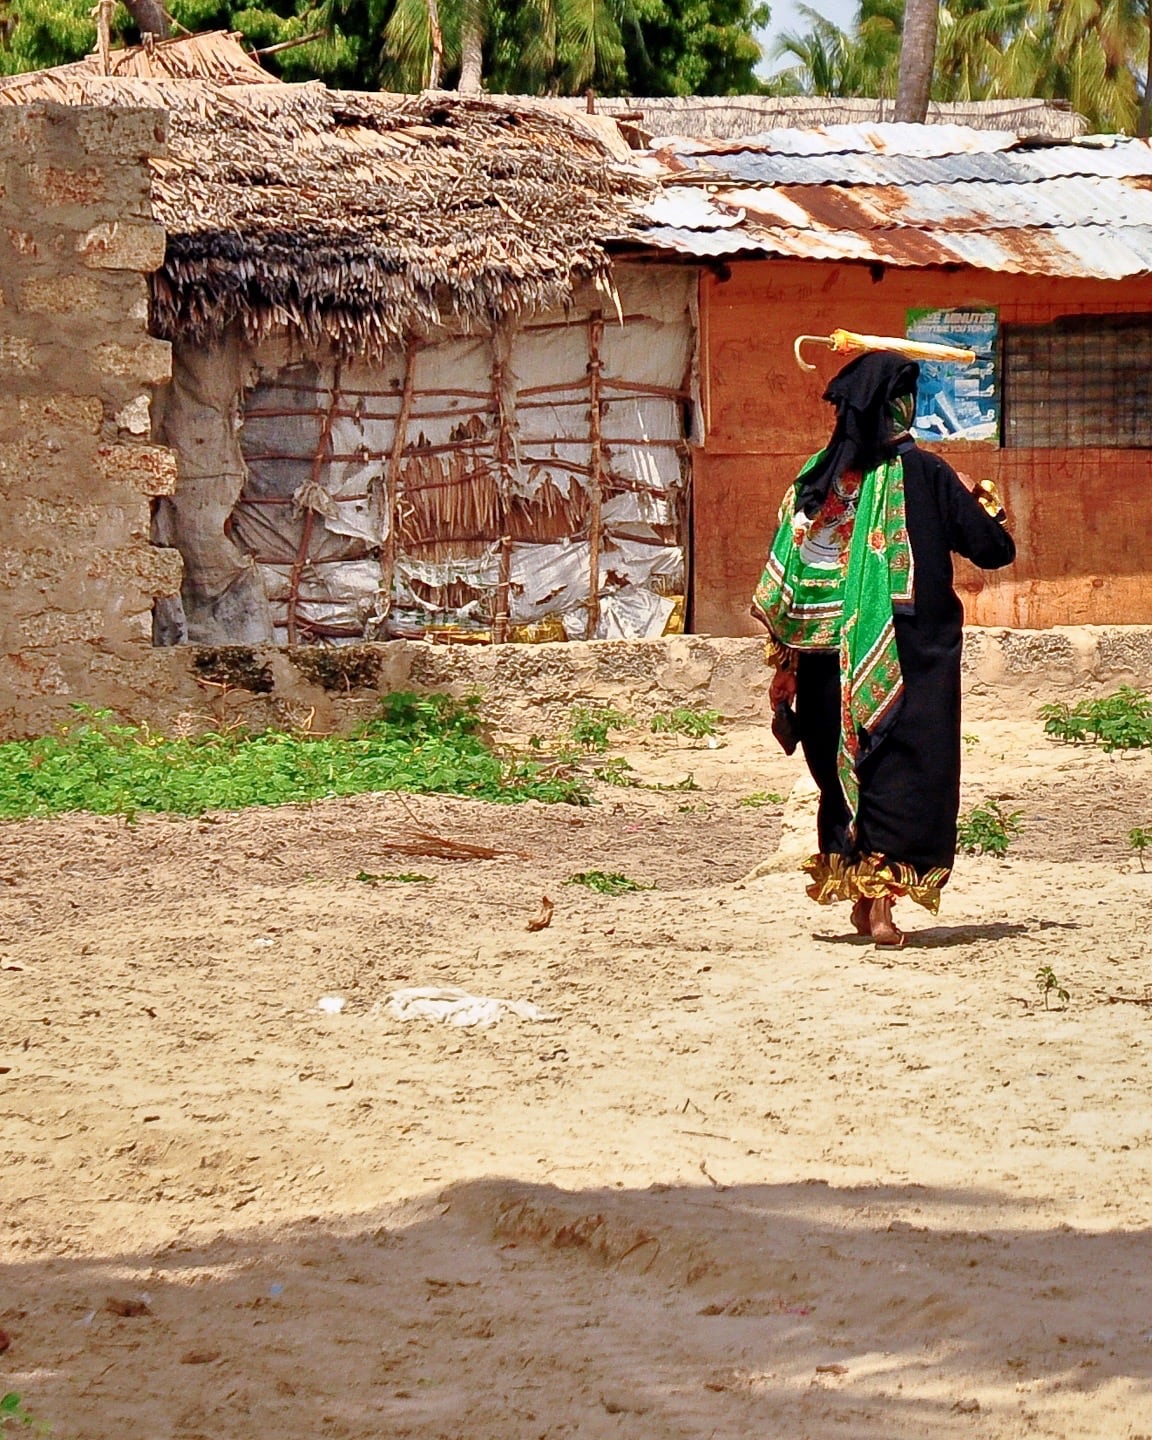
(1084, 381)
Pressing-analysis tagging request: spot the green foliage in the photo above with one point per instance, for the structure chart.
(1049, 985)
(970, 741)
(591, 726)
(686, 720)
(13, 1412)
(1088, 54)
(38, 33)
(1122, 721)
(760, 798)
(693, 47)
(404, 877)
(987, 830)
(646, 47)
(609, 882)
(1140, 839)
(831, 61)
(421, 744)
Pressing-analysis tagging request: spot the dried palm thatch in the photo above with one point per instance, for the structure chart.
(361, 219)
(731, 117)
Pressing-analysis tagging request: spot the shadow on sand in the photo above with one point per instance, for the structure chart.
(503, 1310)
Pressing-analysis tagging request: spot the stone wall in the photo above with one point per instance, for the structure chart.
(77, 572)
(530, 689)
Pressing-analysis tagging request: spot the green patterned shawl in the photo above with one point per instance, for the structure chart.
(816, 608)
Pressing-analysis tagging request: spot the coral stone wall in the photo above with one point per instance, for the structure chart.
(78, 574)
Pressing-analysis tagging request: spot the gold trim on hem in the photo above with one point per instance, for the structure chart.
(872, 877)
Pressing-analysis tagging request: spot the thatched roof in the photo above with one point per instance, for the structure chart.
(360, 219)
(731, 117)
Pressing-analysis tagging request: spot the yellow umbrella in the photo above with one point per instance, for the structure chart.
(844, 341)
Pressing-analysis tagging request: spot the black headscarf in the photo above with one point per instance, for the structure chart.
(862, 393)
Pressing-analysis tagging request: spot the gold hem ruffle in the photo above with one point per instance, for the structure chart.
(872, 877)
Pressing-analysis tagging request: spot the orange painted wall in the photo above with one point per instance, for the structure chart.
(1082, 518)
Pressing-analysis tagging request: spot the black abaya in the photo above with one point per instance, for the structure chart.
(910, 782)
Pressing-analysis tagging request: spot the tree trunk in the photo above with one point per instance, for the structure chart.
(437, 69)
(917, 57)
(150, 16)
(471, 53)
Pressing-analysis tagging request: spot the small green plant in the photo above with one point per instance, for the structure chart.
(1140, 839)
(685, 720)
(1122, 721)
(1048, 985)
(970, 740)
(987, 829)
(760, 798)
(13, 1412)
(404, 877)
(688, 783)
(607, 882)
(590, 727)
(616, 771)
(701, 808)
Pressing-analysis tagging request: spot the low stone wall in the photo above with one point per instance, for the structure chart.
(78, 573)
(531, 688)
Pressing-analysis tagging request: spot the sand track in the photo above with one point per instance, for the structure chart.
(754, 1179)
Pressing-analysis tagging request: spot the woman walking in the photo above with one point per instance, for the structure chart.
(866, 632)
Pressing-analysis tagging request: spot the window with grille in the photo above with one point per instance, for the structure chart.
(1083, 381)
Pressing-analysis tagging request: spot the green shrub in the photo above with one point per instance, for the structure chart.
(13, 1412)
(685, 720)
(591, 726)
(1122, 721)
(607, 882)
(429, 744)
(987, 830)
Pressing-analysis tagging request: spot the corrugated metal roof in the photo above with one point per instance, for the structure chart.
(912, 195)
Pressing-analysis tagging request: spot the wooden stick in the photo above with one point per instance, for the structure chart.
(596, 477)
(392, 479)
(500, 347)
(104, 10)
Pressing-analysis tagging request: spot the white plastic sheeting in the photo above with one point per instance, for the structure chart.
(315, 511)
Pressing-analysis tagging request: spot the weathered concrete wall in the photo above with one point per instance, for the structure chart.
(77, 572)
(531, 689)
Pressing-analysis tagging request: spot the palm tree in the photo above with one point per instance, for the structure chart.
(831, 61)
(564, 44)
(917, 60)
(1087, 52)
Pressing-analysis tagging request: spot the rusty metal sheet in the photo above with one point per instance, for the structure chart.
(908, 195)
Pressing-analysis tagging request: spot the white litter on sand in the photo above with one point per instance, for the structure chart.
(331, 1004)
(457, 1007)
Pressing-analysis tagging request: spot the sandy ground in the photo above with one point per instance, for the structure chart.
(755, 1178)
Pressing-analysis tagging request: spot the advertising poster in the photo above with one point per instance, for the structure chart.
(957, 402)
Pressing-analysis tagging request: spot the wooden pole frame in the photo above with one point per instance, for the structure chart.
(505, 423)
(392, 477)
(595, 468)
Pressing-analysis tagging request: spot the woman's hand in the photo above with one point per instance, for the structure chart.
(783, 688)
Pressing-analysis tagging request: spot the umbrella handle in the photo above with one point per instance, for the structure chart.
(815, 340)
